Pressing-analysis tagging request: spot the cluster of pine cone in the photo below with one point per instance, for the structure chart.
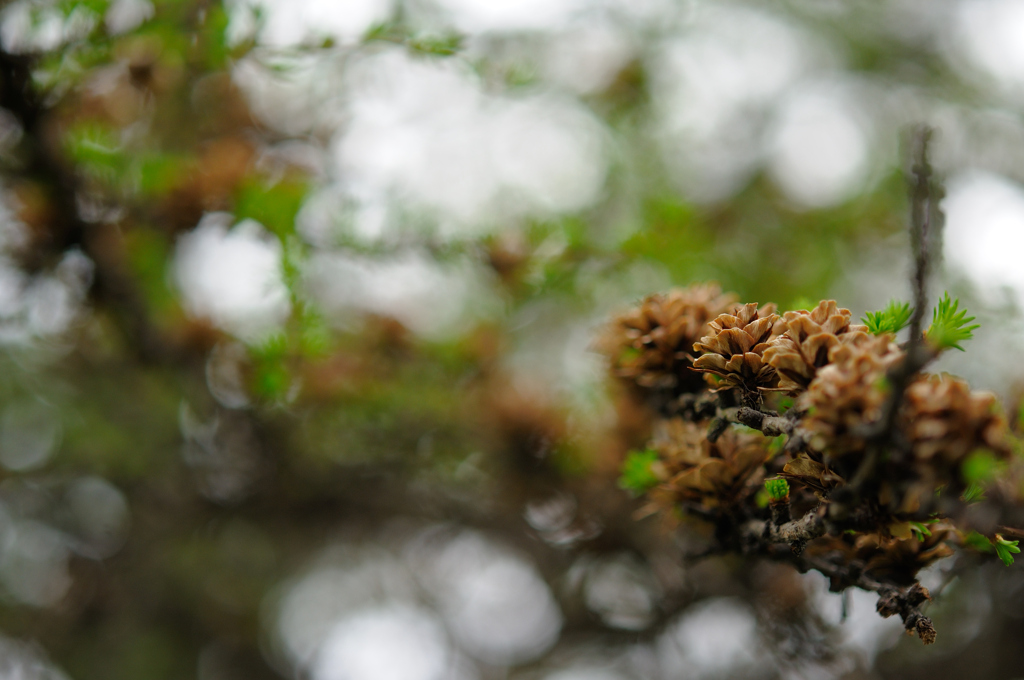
(695, 356)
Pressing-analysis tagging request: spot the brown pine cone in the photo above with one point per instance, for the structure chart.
(941, 420)
(803, 341)
(945, 422)
(893, 557)
(848, 393)
(899, 558)
(733, 349)
(650, 345)
(714, 474)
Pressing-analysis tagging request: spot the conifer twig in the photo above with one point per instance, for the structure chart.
(892, 599)
(883, 434)
(768, 424)
(796, 532)
(924, 218)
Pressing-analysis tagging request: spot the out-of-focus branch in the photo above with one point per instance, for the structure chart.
(39, 162)
(43, 164)
(923, 219)
(883, 435)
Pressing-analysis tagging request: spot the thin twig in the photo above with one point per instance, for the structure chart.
(795, 533)
(767, 424)
(892, 600)
(883, 435)
(921, 212)
(923, 216)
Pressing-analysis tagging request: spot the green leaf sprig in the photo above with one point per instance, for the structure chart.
(892, 319)
(920, 530)
(950, 325)
(778, 488)
(638, 473)
(973, 493)
(1005, 549)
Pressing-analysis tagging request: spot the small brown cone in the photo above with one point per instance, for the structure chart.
(886, 557)
(733, 349)
(945, 422)
(848, 393)
(898, 559)
(804, 339)
(714, 474)
(650, 345)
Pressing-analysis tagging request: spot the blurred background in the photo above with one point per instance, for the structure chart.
(298, 302)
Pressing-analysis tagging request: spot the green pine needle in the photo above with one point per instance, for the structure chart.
(973, 493)
(892, 319)
(980, 467)
(949, 325)
(920, 530)
(777, 488)
(637, 471)
(978, 542)
(1006, 549)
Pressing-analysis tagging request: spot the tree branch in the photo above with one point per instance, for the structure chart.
(892, 599)
(924, 216)
(883, 435)
(769, 424)
(44, 164)
(795, 533)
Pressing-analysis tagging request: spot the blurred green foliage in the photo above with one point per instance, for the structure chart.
(637, 475)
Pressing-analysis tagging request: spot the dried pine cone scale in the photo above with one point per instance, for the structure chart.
(884, 556)
(941, 421)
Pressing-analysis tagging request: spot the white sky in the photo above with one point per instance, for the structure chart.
(985, 229)
(427, 133)
(988, 33)
(232, 276)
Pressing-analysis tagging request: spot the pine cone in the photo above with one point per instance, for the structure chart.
(803, 342)
(945, 422)
(941, 420)
(734, 348)
(848, 393)
(712, 473)
(650, 345)
(891, 558)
